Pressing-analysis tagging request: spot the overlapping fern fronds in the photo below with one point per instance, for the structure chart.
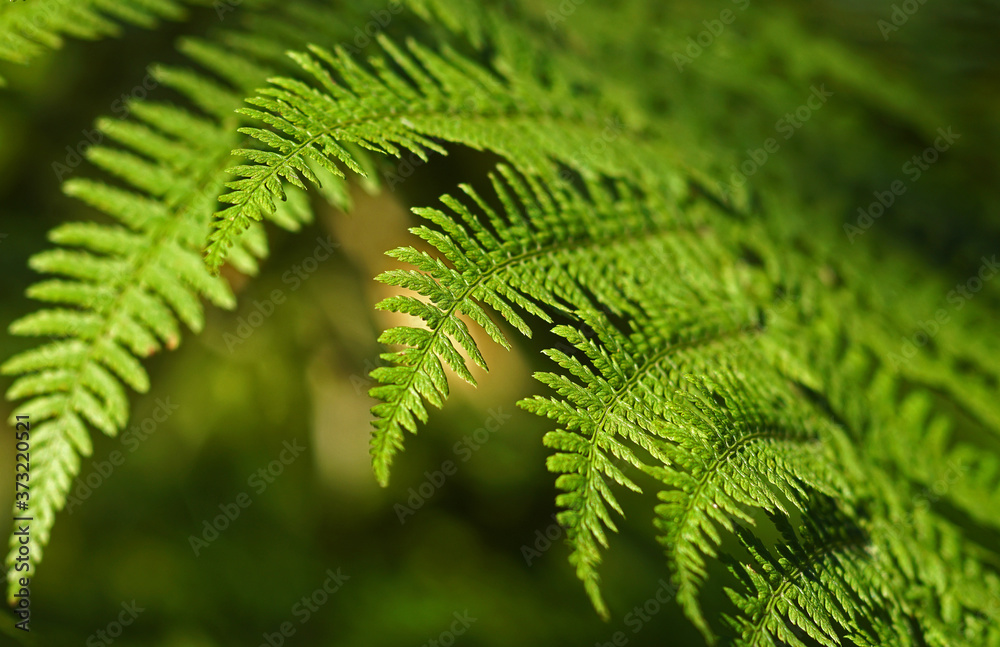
(720, 354)
(817, 583)
(740, 445)
(705, 394)
(777, 431)
(122, 290)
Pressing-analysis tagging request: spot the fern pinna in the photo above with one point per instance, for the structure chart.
(713, 347)
(28, 29)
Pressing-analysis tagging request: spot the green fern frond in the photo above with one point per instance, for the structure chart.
(125, 287)
(27, 29)
(122, 289)
(606, 417)
(619, 400)
(713, 346)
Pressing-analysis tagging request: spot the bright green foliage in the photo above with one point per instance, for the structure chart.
(743, 447)
(723, 345)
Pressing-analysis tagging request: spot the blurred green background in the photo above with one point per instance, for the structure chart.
(302, 375)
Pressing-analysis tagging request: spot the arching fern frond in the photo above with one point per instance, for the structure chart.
(612, 409)
(407, 100)
(574, 251)
(534, 255)
(616, 405)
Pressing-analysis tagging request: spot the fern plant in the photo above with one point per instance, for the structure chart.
(720, 350)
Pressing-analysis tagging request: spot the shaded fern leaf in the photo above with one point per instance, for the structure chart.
(535, 254)
(738, 444)
(952, 586)
(121, 291)
(818, 586)
(865, 569)
(688, 312)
